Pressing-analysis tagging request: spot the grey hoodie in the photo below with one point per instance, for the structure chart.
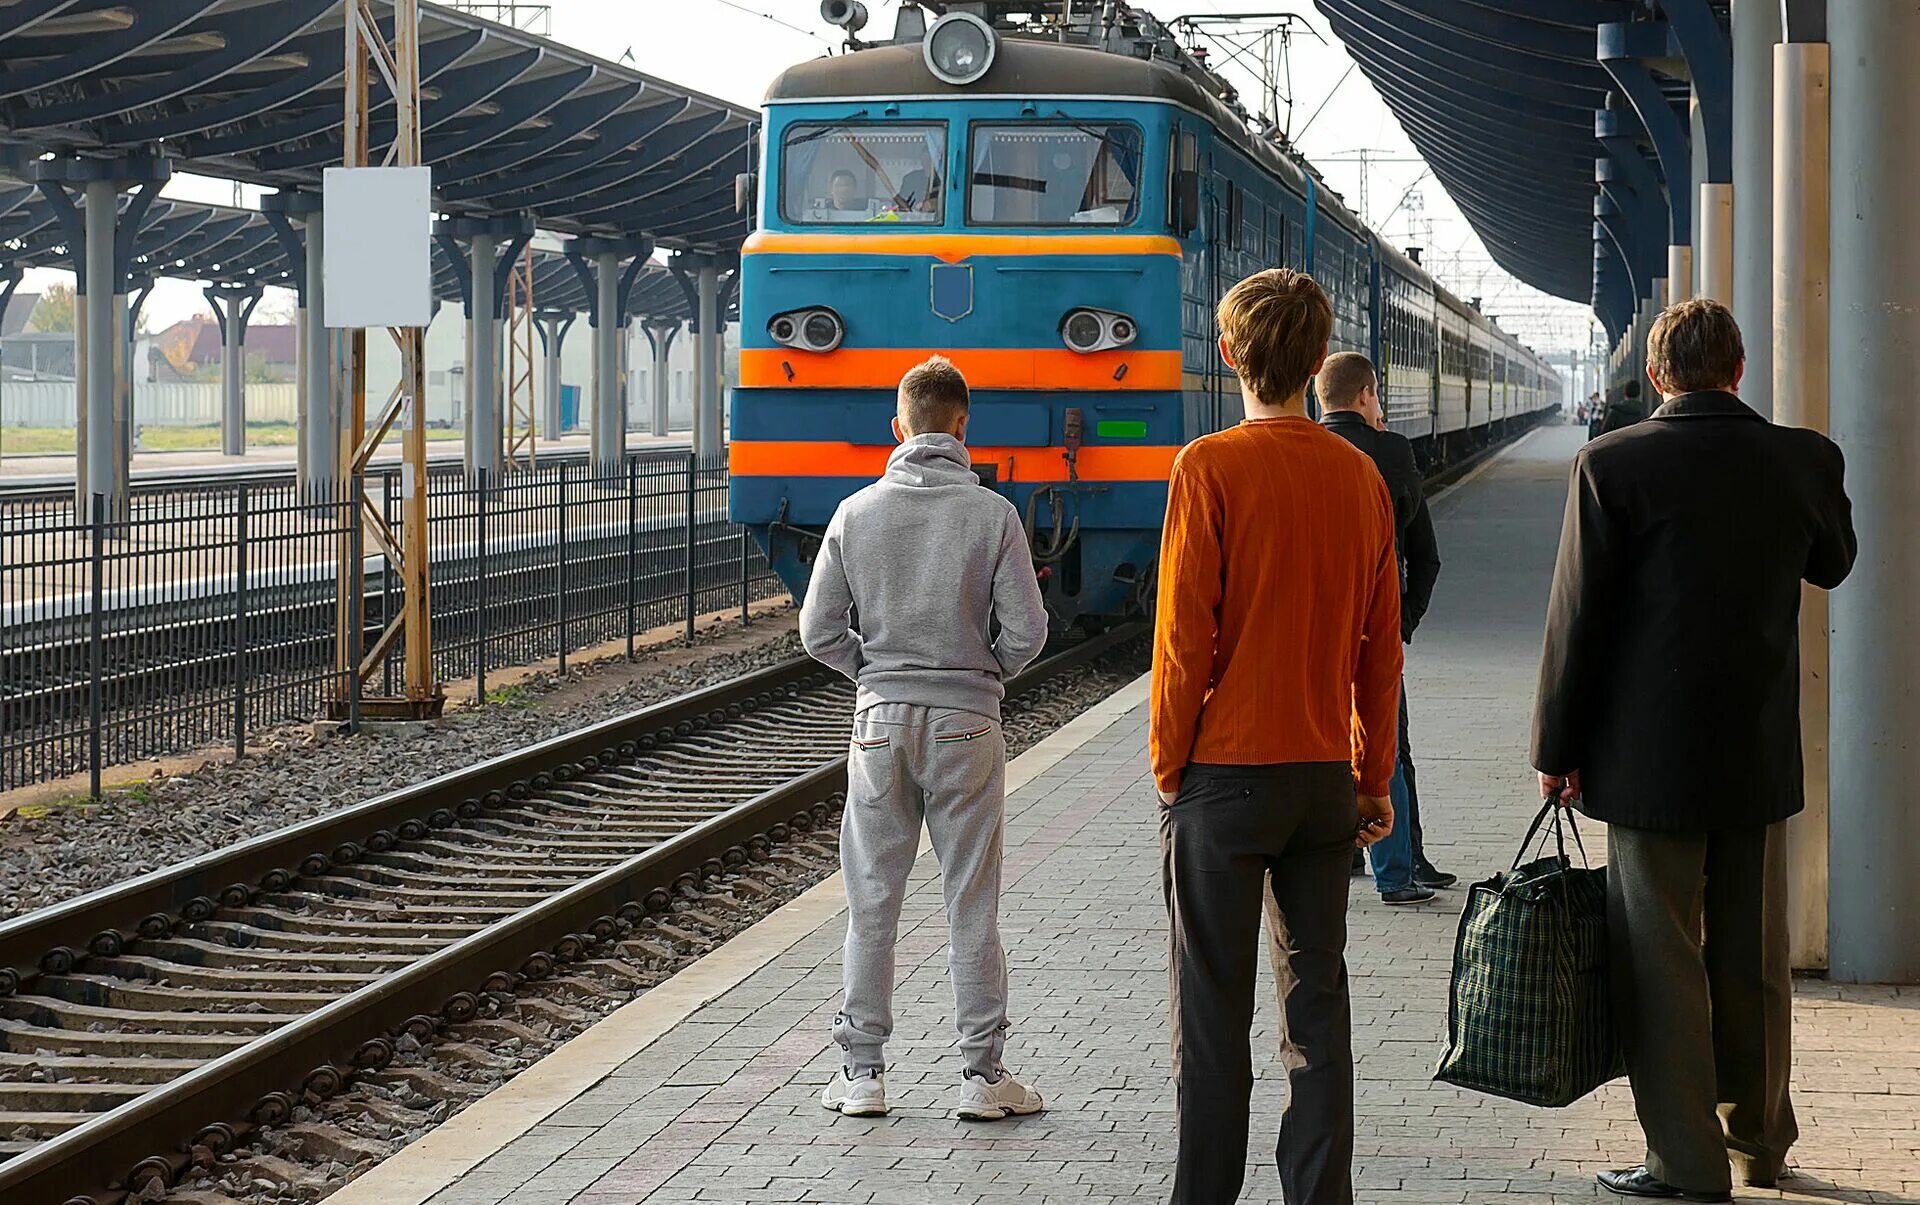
(912, 570)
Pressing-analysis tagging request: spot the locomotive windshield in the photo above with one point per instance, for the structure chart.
(1054, 175)
(849, 173)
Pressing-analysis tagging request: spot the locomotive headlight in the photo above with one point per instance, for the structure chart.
(1087, 331)
(817, 330)
(959, 48)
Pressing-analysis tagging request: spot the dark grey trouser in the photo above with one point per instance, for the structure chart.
(949, 768)
(1412, 819)
(1237, 840)
(1703, 988)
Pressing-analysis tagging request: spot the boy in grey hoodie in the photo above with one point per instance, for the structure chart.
(911, 575)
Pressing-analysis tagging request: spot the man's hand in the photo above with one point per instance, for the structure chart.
(1376, 820)
(1562, 789)
(1167, 797)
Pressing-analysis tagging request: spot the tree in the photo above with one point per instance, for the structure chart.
(55, 310)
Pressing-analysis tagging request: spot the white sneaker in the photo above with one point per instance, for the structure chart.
(865, 1096)
(983, 1101)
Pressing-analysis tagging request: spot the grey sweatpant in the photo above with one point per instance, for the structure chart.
(950, 767)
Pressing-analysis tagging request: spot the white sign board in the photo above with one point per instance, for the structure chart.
(379, 246)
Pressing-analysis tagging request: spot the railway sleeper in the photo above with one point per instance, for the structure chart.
(19, 1068)
(65, 1098)
(230, 978)
(49, 1013)
(38, 1125)
(74, 1043)
(321, 911)
(111, 992)
(249, 937)
(195, 953)
(285, 924)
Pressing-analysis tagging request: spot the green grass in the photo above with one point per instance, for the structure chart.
(516, 697)
(50, 441)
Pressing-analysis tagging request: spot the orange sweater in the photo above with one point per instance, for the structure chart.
(1278, 635)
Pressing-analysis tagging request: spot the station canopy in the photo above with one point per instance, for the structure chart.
(252, 90)
(1499, 96)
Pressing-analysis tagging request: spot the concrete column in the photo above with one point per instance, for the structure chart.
(1756, 27)
(706, 403)
(1697, 156)
(101, 447)
(1715, 265)
(1798, 372)
(320, 420)
(660, 336)
(609, 432)
(1874, 311)
(233, 385)
(486, 435)
(553, 326)
(1679, 274)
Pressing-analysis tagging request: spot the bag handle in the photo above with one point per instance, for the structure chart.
(1563, 822)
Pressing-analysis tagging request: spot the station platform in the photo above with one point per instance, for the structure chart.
(704, 1090)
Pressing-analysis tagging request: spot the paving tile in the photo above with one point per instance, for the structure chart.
(722, 1108)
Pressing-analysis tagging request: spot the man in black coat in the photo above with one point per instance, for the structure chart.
(1669, 708)
(1349, 393)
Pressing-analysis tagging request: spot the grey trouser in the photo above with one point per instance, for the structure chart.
(949, 767)
(1703, 988)
(1240, 840)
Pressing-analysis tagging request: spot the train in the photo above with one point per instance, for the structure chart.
(1055, 196)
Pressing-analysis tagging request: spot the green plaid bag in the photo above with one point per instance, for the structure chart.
(1529, 1015)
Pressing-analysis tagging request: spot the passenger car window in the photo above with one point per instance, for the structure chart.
(1083, 173)
(853, 173)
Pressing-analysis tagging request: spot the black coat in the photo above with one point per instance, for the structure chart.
(1671, 674)
(1412, 525)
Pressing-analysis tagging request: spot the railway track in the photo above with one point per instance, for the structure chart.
(166, 1017)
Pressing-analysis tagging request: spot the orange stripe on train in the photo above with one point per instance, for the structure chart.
(807, 458)
(985, 368)
(952, 247)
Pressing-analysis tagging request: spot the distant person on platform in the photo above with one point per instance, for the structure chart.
(1623, 411)
(1669, 708)
(1275, 699)
(912, 576)
(1349, 393)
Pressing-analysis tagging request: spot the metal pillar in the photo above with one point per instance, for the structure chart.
(1874, 309)
(1798, 371)
(609, 433)
(706, 398)
(485, 435)
(1756, 27)
(233, 305)
(96, 426)
(320, 422)
(660, 336)
(553, 326)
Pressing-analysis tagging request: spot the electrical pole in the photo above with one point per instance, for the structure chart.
(399, 67)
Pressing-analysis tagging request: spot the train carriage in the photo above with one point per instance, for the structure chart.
(1056, 200)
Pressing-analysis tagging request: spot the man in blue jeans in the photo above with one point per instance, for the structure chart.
(1349, 393)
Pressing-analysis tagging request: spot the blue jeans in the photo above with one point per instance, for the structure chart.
(1392, 856)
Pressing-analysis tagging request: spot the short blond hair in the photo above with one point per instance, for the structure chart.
(1343, 378)
(1695, 345)
(1275, 325)
(933, 396)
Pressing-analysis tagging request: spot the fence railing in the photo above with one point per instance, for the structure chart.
(200, 614)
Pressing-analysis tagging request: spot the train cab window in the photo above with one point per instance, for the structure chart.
(1079, 174)
(852, 173)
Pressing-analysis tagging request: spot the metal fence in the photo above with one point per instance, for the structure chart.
(201, 614)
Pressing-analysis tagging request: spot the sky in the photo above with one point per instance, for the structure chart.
(733, 48)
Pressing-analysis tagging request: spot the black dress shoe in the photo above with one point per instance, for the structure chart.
(1639, 1182)
(1407, 895)
(1427, 876)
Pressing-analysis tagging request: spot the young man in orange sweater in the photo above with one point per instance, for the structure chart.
(1276, 695)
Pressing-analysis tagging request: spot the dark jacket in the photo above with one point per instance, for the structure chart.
(1671, 673)
(1413, 527)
